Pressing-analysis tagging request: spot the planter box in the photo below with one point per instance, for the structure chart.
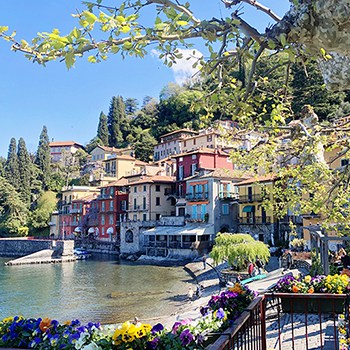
(313, 303)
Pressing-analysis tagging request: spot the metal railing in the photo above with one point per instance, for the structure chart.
(286, 321)
(228, 195)
(247, 332)
(306, 321)
(197, 196)
(250, 198)
(255, 220)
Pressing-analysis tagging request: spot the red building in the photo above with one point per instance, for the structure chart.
(79, 211)
(111, 206)
(187, 164)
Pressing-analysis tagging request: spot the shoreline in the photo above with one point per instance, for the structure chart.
(184, 308)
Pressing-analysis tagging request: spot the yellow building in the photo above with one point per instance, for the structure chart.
(122, 165)
(252, 216)
(148, 198)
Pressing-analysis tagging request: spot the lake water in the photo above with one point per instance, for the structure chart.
(90, 290)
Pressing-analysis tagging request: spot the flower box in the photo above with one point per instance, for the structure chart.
(312, 303)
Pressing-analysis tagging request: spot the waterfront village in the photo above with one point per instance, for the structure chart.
(174, 206)
(174, 209)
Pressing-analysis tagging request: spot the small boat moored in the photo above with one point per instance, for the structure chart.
(81, 253)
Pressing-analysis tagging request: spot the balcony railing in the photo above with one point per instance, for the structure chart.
(193, 197)
(259, 220)
(228, 195)
(250, 198)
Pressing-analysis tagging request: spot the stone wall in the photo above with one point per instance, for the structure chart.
(20, 247)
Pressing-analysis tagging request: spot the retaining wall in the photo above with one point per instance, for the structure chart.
(20, 247)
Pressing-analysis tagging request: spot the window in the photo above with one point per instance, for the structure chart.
(209, 138)
(111, 206)
(194, 141)
(123, 205)
(135, 205)
(144, 202)
(144, 188)
(129, 236)
(102, 219)
(157, 216)
(225, 209)
(181, 172)
(103, 206)
(111, 220)
(135, 189)
(193, 168)
(194, 156)
(194, 212)
(204, 211)
(103, 231)
(157, 201)
(144, 217)
(157, 188)
(111, 191)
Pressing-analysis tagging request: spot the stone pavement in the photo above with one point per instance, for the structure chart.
(293, 330)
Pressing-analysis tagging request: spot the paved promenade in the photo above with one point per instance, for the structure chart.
(292, 330)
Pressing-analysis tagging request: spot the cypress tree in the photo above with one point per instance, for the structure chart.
(11, 166)
(43, 159)
(24, 166)
(115, 137)
(118, 123)
(102, 129)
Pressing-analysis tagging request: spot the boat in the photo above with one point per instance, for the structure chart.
(81, 253)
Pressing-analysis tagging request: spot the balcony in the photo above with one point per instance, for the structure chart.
(225, 195)
(251, 198)
(257, 220)
(195, 197)
(137, 208)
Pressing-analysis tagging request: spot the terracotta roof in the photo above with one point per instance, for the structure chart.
(154, 179)
(179, 131)
(121, 182)
(113, 149)
(64, 143)
(87, 198)
(202, 150)
(140, 162)
(122, 156)
(255, 179)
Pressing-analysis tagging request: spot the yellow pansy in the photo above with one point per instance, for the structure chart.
(307, 279)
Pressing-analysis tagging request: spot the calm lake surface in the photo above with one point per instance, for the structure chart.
(90, 290)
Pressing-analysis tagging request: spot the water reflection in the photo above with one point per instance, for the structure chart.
(92, 290)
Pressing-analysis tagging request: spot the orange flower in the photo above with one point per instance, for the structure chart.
(295, 289)
(45, 324)
(311, 290)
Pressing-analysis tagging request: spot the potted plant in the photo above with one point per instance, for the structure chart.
(319, 294)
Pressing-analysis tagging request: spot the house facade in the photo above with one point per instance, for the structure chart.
(57, 149)
(252, 215)
(100, 153)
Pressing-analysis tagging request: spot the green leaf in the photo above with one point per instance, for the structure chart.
(3, 29)
(76, 33)
(69, 59)
(125, 29)
(283, 39)
(182, 23)
(92, 59)
(120, 19)
(90, 17)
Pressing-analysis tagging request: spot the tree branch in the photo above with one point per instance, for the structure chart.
(256, 4)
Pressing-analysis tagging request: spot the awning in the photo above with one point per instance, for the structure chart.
(78, 229)
(249, 209)
(91, 230)
(198, 230)
(110, 230)
(181, 202)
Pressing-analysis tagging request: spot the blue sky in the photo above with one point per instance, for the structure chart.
(69, 102)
